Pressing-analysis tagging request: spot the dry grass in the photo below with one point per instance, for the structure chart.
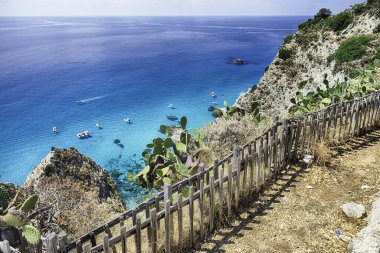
(321, 151)
(301, 211)
(224, 134)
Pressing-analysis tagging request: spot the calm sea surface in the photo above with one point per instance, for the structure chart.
(120, 67)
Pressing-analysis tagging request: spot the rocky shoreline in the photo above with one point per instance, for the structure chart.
(75, 194)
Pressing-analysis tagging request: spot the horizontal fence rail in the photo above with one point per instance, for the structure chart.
(186, 212)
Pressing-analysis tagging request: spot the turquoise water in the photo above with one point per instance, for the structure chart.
(121, 67)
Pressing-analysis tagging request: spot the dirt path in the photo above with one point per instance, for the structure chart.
(301, 211)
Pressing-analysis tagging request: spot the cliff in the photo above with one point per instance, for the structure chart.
(331, 47)
(325, 48)
(79, 195)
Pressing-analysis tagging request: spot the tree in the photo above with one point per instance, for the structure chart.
(322, 14)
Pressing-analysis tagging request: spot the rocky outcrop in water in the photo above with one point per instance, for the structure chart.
(79, 195)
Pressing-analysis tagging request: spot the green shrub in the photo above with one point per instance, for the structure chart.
(285, 54)
(359, 9)
(49, 170)
(266, 68)
(306, 24)
(302, 84)
(276, 63)
(288, 39)
(352, 49)
(340, 22)
(377, 29)
(322, 14)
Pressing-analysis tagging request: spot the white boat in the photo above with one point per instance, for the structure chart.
(213, 94)
(98, 126)
(214, 103)
(55, 130)
(171, 106)
(128, 120)
(83, 135)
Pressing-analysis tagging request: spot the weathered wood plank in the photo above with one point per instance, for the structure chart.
(229, 190)
(87, 248)
(200, 210)
(51, 243)
(153, 230)
(191, 215)
(138, 235)
(123, 238)
(220, 191)
(106, 244)
(212, 203)
(167, 226)
(180, 223)
(237, 164)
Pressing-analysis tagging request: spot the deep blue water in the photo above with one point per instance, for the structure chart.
(125, 67)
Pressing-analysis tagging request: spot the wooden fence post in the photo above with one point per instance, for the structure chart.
(5, 247)
(167, 226)
(180, 223)
(212, 203)
(191, 215)
(51, 243)
(221, 178)
(237, 168)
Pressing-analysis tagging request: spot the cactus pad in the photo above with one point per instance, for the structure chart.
(29, 203)
(31, 234)
(14, 218)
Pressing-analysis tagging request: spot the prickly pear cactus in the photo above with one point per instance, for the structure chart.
(29, 203)
(31, 234)
(14, 218)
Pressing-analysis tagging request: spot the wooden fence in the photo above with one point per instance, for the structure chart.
(186, 212)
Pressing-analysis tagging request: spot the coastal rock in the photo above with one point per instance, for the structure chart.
(353, 210)
(368, 239)
(79, 195)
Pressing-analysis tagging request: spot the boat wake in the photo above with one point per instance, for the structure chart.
(87, 100)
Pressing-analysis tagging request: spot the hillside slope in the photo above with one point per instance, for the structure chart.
(330, 47)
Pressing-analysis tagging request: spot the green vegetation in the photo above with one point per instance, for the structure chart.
(362, 85)
(226, 113)
(165, 158)
(322, 14)
(288, 39)
(340, 22)
(302, 84)
(48, 169)
(16, 215)
(4, 196)
(377, 29)
(352, 49)
(284, 53)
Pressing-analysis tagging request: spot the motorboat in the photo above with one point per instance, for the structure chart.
(172, 118)
(81, 102)
(214, 103)
(239, 61)
(213, 94)
(171, 106)
(55, 130)
(83, 135)
(128, 120)
(98, 126)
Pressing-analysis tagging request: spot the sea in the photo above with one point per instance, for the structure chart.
(74, 72)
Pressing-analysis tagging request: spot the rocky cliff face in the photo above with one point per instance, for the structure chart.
(307, 57)
(79, 195)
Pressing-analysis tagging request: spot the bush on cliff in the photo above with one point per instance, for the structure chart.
(285, 54)
(340, 22)
(352, 49)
